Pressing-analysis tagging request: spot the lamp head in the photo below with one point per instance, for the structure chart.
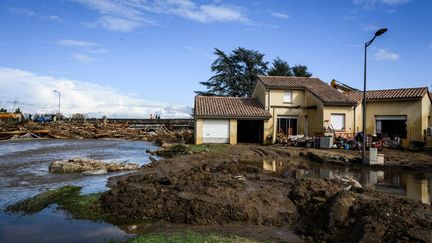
(380, 32)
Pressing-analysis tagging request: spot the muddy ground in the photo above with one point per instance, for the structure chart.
(219, 191)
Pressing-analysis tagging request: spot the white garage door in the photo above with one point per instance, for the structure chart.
(216, 131)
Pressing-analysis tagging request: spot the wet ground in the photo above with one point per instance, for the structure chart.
(24, 173)
(414, 185)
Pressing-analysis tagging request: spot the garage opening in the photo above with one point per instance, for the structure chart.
(250, 131)
(391, 126)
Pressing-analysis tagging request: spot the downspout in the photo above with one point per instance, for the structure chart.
(355, 117)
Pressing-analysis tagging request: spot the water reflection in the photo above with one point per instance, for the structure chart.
(413, 185)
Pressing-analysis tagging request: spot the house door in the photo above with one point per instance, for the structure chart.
(287, 125)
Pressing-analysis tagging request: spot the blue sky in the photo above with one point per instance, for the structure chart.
(135, 57)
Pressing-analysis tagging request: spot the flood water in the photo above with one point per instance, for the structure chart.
(24, 173)
(415, 185)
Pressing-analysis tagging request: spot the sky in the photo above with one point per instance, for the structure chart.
(130, 58)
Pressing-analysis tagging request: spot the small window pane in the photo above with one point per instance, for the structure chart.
(287, 96)
(338, 122)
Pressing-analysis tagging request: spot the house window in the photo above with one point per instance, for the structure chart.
(287, 125)
(287, 98)
(338, 122)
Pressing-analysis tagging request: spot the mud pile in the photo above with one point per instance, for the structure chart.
(328, 212)
(86, 164)
(206, 194)
(213, 193)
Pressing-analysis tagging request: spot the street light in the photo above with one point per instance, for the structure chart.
(59, 93)
(378, 33)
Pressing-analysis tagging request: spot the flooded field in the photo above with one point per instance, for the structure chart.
(24, 173)
(411, 184)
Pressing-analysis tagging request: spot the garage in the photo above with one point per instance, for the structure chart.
(391, 126)
(216, 131)
(250, 131)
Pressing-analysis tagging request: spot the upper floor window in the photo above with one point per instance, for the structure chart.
(287, 98)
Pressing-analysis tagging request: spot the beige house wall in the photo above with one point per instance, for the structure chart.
(233, 131)
(348, 111)
(261, 94)
(198, 131)
(411, 109)
(426, 112)
(314, 116)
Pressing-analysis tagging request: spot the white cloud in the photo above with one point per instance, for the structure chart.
(80, 57)
(75, 43)
(33, 14)
(280, 15)
(84, 45)
(34, 94)
(370, 4)
(127, 15)
(382, 54)
(370, 27)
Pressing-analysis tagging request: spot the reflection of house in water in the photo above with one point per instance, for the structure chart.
(398, 183)
(418, 188)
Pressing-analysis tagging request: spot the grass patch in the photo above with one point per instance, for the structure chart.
(43, 200)
(187, 236)
(67, 198)
(83, 206)
(213, 148)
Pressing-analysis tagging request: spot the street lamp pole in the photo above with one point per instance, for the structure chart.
(378, 33)
(59, 102)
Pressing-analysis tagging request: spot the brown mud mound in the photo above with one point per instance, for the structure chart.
(327, 212)
(206, 194)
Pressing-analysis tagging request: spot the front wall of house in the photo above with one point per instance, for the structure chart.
(348, 111)
(276, 97)
(412, 109)
(315, 116)
(426, 112)
(261, 94)
(199, 131)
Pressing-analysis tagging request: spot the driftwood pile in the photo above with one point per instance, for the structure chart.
(75, 130)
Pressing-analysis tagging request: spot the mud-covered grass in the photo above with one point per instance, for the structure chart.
(187, 236)
(43, 200)
(69, 199)
(83, 206)
(213, 148)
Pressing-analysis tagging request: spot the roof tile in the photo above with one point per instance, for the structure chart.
(389, 94)
(316, 86)
(229, 107)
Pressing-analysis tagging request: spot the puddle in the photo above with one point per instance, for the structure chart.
(410, 184)
(52, 225)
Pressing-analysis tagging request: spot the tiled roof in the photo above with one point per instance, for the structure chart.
(390, 94)
(316, 86)
(229, 107)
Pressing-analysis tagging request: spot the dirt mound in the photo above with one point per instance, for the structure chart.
(328, 212)
(207, 194)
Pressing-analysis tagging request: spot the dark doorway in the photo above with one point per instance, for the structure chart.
(287, 125)
(393, 128)
(250, 131)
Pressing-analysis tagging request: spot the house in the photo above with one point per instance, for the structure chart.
(309, 106)
(404, 113)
